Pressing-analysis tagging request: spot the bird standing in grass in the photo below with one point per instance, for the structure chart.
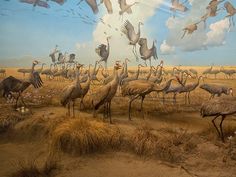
(72, 92)
(223, 106)
(105, 94)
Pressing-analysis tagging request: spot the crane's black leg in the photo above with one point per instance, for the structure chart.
(109, 110)
(189, 98)
(73, 108)
(142, 98)
(221, 129)
(163, 98)
(69, 108)
(174, 98)
(130, 102)
(213, 121)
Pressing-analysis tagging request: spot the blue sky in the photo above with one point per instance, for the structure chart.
(33, 32)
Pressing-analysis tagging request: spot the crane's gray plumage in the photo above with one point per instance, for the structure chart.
(218, 90)
(12, 84)
(103, 51)
(128, 30)
(221, 106)
(147, 54)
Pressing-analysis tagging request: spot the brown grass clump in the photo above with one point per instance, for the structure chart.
(143, 141)
(31, 168)
(9, 121)
(80, 136)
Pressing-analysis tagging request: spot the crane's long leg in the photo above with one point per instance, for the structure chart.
(104, 111)
(73, 108)
(130, 102)
(188, 97)
(221, 129)
(109, 110)
(143, 97)
(213, 121)
(174, 98)
(68, 107)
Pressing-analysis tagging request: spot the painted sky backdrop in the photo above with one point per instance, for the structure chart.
(27, 32)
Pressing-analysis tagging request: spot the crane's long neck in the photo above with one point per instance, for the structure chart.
(77, 77)
(126, 68)
(33, 66)
(139, 31)
(108, 46)
(94, 69)
(149, 74)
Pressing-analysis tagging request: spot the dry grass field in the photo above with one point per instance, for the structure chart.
(172, 139)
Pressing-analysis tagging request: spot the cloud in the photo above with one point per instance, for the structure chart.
(217, 34)
(166, 48)
(119, 44)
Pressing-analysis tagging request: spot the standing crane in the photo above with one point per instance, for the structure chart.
(72, 92)
(12, 84)
(222, 106)
(103, 51)
(105, 94)
(128, 30)
(147, 54)
(140, 88)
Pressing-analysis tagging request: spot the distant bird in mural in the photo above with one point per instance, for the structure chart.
(147, 54)
(52, 55)
(103, 51)
(61, 2)
(190, 29)
(177, 6)
(108, 5)
(35, 3)
(93, 5)
(125, 8)
(231, 12)
(128, 30)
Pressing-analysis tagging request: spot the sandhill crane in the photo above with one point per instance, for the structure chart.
(11, 84)
(218, 90)
(105, 94)
(216, 107)
(190, 29)
(188, 88)
(41, 69)
(140, 88)
(147, 54)
(215, 72)
(93, 5)
(35, 3)
(228, 72)
(128, 79)
(72, 92)
(125, 8)
(85, 88)
(177, 6)
(2, 72)
(207, 71)
(212, 9)
(128, 30)
(52, 54)
(194, 71)
(231, 12)
(48, 72)
(108, 5)
(103, 51)
(61, 2)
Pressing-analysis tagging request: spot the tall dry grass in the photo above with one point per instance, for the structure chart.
(80, 136)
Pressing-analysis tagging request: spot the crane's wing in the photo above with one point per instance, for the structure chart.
(122, 3)
(154, 51)
(28, 1)
(128, 30)
(108, 5)
(36, 80)
(100, 96)
(42, 4)
(61, 2)
(93, 4)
